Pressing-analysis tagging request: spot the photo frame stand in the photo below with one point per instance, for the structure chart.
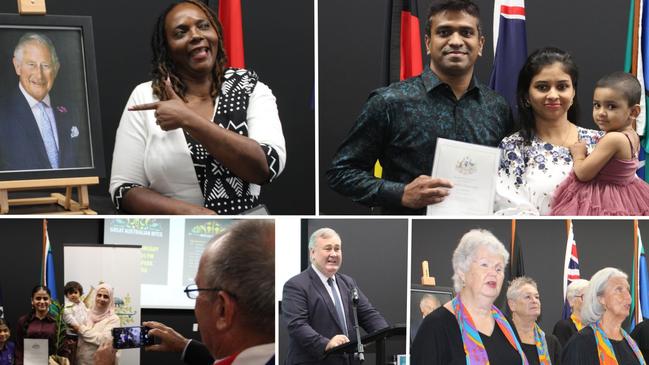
(31, 7)
(70, 206)
(426, 279)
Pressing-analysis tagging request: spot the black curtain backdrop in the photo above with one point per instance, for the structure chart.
(278, 39)
(600, 243)
(351, 36)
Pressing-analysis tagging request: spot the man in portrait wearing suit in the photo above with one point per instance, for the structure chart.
(36, 133)
(317, 305)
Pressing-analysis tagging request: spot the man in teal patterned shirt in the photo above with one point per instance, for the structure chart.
(399, 124)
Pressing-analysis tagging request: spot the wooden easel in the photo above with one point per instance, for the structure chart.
(31, 7)
(70, 206)
(426, 279)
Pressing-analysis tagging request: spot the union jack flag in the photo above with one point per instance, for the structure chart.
(510, 47)
(571, 267)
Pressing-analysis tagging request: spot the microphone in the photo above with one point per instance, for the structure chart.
(360, 351)
(355, 296)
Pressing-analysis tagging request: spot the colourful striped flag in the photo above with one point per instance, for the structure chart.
(230, 18)
(570, 268)
(47, 272)
(640, 280)
(637, 46)
(510, 47)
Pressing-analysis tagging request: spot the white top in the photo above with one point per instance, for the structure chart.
(90, 337)
(256, 355)
(146, 155)
(75, 314)
(529, 174)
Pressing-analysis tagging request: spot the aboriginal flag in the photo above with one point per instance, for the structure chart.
(404, 41)
(230, 18)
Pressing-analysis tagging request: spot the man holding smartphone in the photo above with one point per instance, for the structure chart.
(235, 301)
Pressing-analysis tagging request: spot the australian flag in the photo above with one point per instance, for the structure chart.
(510, 48)
(571, 267)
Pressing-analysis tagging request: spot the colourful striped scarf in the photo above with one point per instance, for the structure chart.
(605, 348)
(577, 322)
(541, 346)
(473, 346)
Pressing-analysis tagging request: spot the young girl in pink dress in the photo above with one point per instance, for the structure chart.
(604, 182)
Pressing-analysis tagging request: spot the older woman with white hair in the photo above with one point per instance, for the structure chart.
(470, 329)
(525, 305)
(565, 328)
(603, 340)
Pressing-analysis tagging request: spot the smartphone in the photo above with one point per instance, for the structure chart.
(131, 337)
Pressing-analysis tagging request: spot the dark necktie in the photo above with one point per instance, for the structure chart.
(338, 305)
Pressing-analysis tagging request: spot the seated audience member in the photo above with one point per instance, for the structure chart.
(7, 347)
(565, 328)
(235, 301)
(525, 305)
(39, 323)
(603, 340)
(198, 138)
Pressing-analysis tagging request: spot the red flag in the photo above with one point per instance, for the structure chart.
(411, 62)
(230, 18)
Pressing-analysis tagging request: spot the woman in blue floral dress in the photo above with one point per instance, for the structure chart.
(536, 159)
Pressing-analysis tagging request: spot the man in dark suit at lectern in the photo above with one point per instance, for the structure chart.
(36, 133)
(317, 305)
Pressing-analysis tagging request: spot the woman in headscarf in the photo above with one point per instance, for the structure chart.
(470, 329)
(565, 328)
(98, 329)
(525, 305)
(603, 340)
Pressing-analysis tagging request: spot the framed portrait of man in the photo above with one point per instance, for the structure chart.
(50, 123)
(424, 300)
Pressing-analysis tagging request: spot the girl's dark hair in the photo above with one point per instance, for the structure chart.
(41, 287)
(4, 323)
(163, 65)
(30, 318)
(535, 63)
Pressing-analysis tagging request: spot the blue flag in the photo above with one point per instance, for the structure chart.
(510, 48)
(48, 278)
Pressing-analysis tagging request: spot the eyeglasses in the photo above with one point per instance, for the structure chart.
(192, 291)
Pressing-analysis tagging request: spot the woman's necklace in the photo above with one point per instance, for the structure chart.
(563, 137)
